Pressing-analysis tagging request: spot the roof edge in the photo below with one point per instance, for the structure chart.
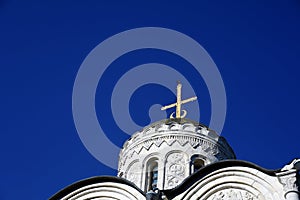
(93, 180)
(211, 168)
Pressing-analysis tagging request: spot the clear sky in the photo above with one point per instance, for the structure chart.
(255, 44)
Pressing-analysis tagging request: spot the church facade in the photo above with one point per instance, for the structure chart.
(180, 159)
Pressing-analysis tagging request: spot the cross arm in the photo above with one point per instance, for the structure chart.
(182, 102)
(169, 106)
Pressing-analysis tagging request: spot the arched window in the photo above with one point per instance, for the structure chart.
(197, 162)
(152, 175)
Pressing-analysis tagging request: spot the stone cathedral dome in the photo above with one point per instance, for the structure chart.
(180, 159)
(166, 152)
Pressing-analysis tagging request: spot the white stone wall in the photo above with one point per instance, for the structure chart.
(171, 144)
(235, 183)
(238, 182)
(105, 191)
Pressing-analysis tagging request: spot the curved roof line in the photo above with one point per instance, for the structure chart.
(93, 180)
(211, 168)
(169, 193)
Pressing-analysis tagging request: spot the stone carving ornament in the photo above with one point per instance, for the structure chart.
(233, 194)
(289, 183)
(175, 169)
(133, 173)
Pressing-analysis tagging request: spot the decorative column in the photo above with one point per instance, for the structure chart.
(289, 181)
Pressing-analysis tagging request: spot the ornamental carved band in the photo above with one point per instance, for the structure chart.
(233, 194)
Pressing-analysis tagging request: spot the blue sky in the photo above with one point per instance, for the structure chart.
(255, 44)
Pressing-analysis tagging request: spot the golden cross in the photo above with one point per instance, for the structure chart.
(179, 103)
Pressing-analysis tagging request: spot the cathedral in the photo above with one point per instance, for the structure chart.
(181, 159)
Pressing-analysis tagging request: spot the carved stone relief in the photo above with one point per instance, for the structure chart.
(134, 173)
(233, 194)
(289, 181)
(175, 169)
